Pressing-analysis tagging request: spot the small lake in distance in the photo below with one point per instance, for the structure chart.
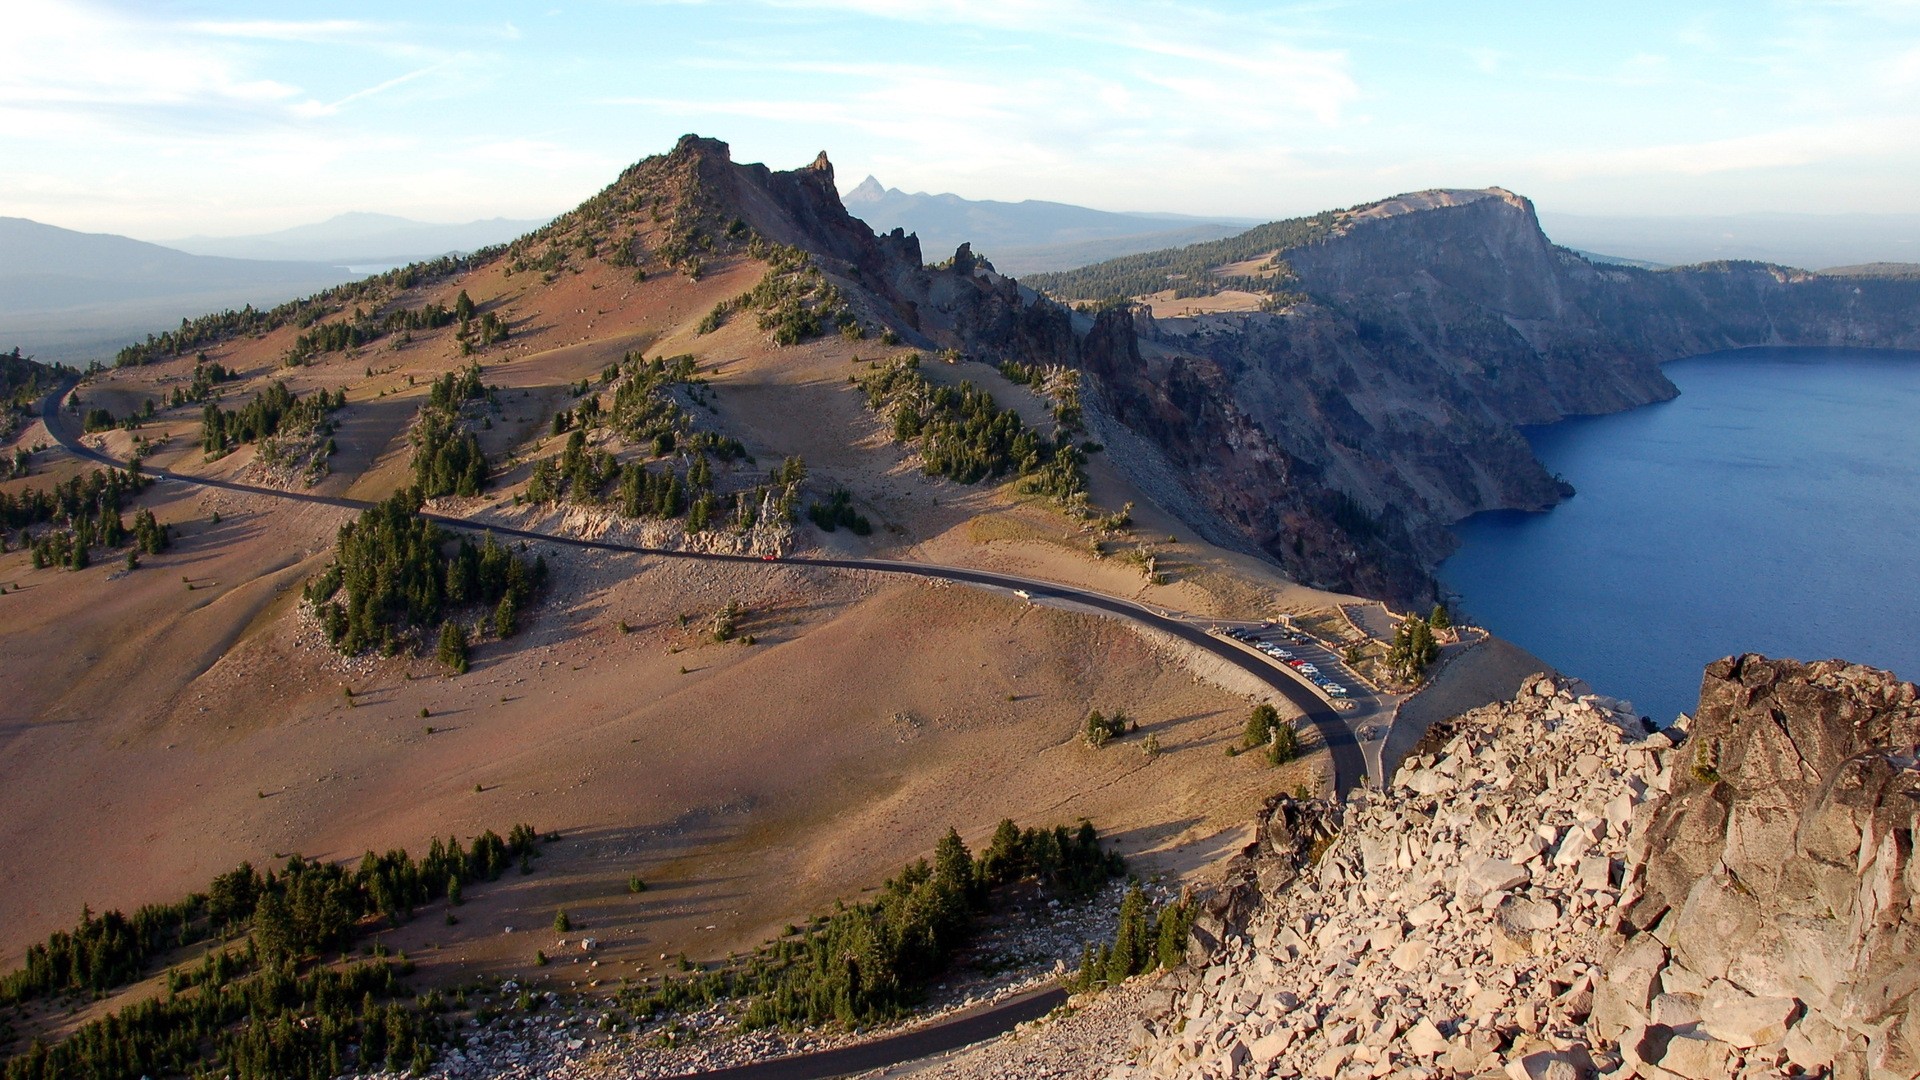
(1773, 507)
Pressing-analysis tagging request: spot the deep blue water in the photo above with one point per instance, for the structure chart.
(1773, 507)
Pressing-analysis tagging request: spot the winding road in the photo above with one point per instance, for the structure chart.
(1349, 766)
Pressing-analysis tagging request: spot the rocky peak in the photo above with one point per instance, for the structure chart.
(869, 190)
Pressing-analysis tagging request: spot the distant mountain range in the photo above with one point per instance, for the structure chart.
(73, 297)
(1807, 241)
(359, 239)
(1030, 236)
(1035, 236)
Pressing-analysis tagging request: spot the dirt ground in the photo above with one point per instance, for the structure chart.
(171, 722)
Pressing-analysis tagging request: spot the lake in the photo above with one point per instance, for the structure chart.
(1773, 507)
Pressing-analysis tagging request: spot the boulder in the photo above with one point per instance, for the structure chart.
(1481, 877)
(1746, 1021)
(1781, 861)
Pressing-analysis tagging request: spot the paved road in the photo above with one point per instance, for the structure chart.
(1349, 766)
(962, 1029)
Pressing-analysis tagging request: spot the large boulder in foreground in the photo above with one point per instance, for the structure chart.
(1779, 871)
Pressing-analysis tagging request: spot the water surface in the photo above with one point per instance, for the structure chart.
(1773, 507)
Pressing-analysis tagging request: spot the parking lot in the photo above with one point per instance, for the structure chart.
(1308, 658)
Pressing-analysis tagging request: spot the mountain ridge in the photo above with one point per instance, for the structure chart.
(1379, 398)
(360, 237)
(1032, 234)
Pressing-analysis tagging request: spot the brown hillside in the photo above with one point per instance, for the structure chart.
(184, 716)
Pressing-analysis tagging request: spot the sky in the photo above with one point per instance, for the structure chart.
(170, 118)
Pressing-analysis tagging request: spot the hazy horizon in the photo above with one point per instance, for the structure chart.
(202, 118)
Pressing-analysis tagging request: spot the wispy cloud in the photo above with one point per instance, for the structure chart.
(1229, 47)
(313, 30)
(1782, 148)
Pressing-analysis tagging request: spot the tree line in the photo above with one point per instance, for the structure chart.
(274, 1008)
(963, 435)
(214, 328)
(871, 961)
(363, 328)
(1189, 270)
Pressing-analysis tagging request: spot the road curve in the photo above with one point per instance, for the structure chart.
(1349, 767)
(961, 1029)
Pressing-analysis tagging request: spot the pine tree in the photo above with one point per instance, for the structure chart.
(1260, 724)
(1286, 744)
(453, 646)
(1132, 943)
(506, 618)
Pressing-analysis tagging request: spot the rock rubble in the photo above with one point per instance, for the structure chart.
(1550, 891)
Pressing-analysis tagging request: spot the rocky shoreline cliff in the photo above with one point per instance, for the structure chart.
(1378, 401)
(1346, 431)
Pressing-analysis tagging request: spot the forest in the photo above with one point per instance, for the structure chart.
(23, 381)
(447, 459)
(1189, 270)
(393, 578)
(265, 1001)
(870, 961)
(86, 512)
(271, 411)
(963, 435)
(646, 413)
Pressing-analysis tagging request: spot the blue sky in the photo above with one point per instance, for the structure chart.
(163, 119)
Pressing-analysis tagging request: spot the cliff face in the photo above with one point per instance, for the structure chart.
(1434, 326)
(1345, 433)
(1546, 890)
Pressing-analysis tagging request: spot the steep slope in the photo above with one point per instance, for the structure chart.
(1376, 399)
(750, 781)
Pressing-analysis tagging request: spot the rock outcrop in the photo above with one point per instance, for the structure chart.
(1344, 432)
(1547, 890)
(1778, 882)
(1384, 403)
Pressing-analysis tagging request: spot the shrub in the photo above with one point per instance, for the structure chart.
(1100, 729)
(1261, 723)
(1285, 746)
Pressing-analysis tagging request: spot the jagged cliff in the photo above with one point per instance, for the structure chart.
(1344, 432)
(1547, 890)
